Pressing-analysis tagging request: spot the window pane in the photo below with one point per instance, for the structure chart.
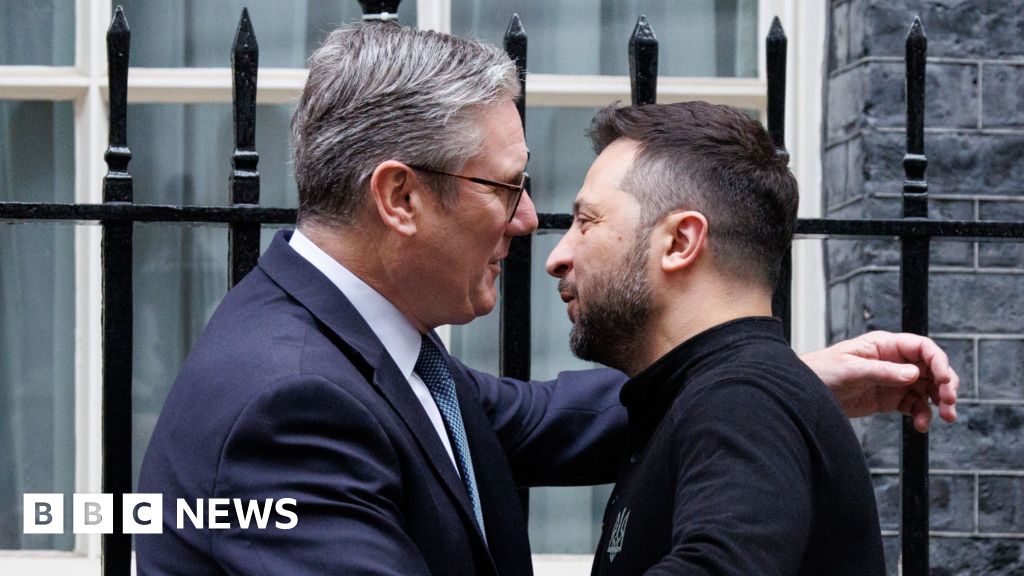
(181, 154)
(560, 155)
(37, 319)
(200, 33)
(696, 37)
(180, 276)
(37, 33)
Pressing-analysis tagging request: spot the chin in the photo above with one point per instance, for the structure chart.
(484, 303)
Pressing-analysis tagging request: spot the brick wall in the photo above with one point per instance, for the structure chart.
(975, 146)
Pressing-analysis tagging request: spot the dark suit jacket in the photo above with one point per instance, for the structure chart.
(289, 394)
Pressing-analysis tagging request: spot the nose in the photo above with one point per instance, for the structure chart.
(559, 262)
(524, 221)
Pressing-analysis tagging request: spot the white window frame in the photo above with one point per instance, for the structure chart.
(85, 85)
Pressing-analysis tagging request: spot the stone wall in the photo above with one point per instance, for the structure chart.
(975, 146)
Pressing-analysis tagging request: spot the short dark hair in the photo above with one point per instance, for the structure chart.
(715, 160)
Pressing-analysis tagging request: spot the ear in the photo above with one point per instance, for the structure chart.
(398, 195)
(684, 239)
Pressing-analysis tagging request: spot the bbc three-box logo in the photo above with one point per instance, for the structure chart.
(143, 514)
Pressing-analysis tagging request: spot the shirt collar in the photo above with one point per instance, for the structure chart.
(400, 338)
(649, 395)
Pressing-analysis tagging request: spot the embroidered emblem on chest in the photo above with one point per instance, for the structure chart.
(618, 533)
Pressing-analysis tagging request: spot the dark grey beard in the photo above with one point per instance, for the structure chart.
(618, 309)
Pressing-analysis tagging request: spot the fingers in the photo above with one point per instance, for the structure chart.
(947, 412)
(884, 373)
(922, 414)
(905, 347)
(947, 398)
(948, 390)
(941, 381)
(916, 406)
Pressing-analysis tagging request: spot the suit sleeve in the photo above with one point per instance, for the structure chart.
(565, 432)
(309, 440)
(743, 498)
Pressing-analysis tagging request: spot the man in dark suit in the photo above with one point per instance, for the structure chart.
(319, 377)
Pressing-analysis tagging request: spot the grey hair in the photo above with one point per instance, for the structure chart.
(380, 92)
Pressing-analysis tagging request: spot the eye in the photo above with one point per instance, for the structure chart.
(582, 222)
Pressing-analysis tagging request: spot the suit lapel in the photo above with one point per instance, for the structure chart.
(397, 392)
(358, 342)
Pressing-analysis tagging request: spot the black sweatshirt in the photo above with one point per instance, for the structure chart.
(741, 463)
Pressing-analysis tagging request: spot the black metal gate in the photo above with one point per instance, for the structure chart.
(118, 215)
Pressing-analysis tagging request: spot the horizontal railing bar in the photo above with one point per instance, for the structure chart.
(806, 227)
(146, 213)
(831, 227)
(953, 472)
(910, 227)
(976, 535)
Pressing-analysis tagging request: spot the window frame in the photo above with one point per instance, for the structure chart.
(85, 85)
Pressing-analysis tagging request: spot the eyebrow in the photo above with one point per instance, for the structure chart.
(577, 205)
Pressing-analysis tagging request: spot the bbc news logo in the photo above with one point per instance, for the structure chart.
(143, 513)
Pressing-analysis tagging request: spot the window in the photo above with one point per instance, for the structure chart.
(52, 138)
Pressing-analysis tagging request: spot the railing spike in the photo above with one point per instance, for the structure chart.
(515, 47)
(244, 239)
(381, 10)
(118, 23)
(916, 28)
(515, 26)
(917, 49)
(776, 31)
(117, 154)
(245, 37)
(245, 60)
(643, 63)
(776, 47)
(514, 339)
(775, 64)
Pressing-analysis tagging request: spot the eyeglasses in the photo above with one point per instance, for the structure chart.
(511, 199)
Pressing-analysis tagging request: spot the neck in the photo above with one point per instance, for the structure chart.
(697, 309)
(361, 249)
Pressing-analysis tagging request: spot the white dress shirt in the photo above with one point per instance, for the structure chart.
(399, 337)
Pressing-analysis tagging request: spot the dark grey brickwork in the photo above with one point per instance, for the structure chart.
(975, 146)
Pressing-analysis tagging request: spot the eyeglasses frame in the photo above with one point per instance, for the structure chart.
(511, 206)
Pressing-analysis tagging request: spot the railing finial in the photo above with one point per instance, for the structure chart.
(515, 47)
(776, 46)
(380, 10)
(245, 58)
(244, 239)
(117, 154)
(643, 64)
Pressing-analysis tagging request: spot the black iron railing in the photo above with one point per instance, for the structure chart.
(118, 215)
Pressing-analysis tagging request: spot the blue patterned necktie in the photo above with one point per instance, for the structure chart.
(435, 374)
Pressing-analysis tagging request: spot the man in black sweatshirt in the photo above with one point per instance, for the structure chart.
(740, 460)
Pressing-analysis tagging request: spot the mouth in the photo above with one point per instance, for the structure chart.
(495, 265)
(571, 303)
